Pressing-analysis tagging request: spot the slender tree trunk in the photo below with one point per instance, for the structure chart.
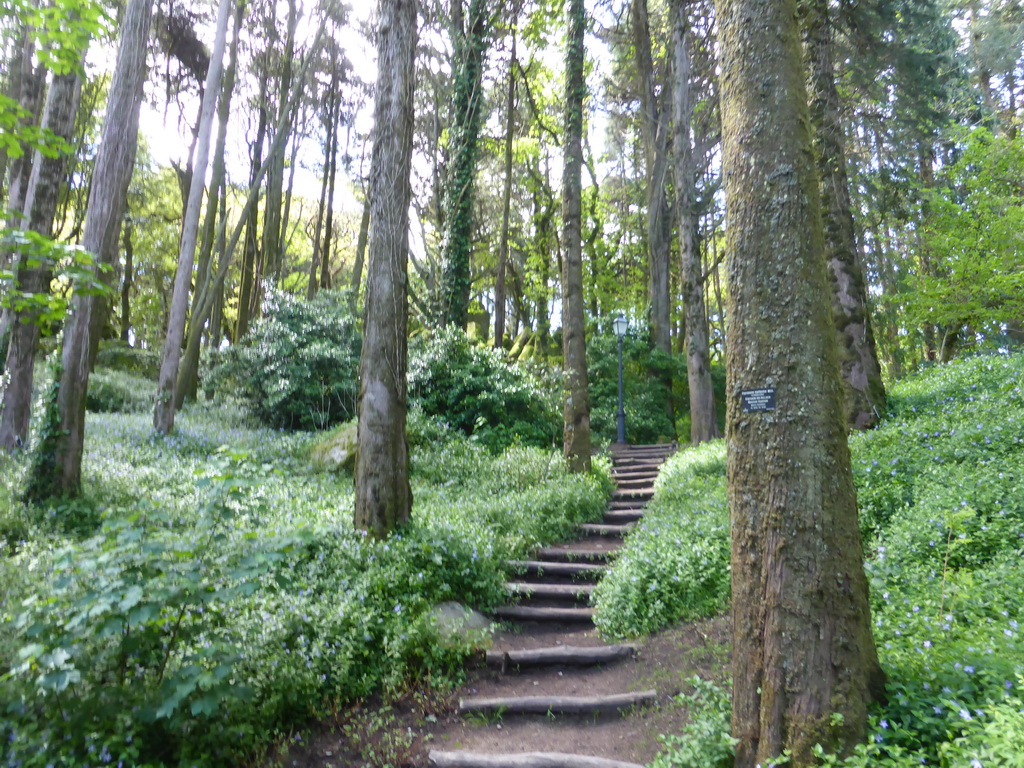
(246, 289)
(325, 249)
(864, 392)
(314, 265)
(57, 468)
(127, 280)
(576, 430)
(383, 495)
(39, 208)
(506, 197)
(163, 414)
(357, 269)
(703, 417)
(470, 49)
(802, 645)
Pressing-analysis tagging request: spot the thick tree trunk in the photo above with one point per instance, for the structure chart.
(383, 496)
(40, 205)
(864, 392)
(703, 417)
(802, 645)
(57, 470)
(469, 51)
(576, 413)
(506, 198)
(163, 413)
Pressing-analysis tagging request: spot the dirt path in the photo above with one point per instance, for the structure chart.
(581, 710)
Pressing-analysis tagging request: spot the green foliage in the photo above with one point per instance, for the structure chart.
(298, 366)
(208, 623)
(705, 741)
(472, 389)
(117, 392)
(675, 564)
(118, 356)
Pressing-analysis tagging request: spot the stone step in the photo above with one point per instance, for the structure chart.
(533, 567)
(560, 655)
(605, 529)
(524, 613)
(556, 705)
(529, 589)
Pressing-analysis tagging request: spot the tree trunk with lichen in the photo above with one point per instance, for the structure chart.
(576, 412)
(864, 392)
(383, 495)
(802, 645)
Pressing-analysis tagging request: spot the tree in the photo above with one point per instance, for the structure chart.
(576, 430)
(703, 419)
(163, 413)
(861, 374)
(805, 667)
(383, 495)
(58, 466)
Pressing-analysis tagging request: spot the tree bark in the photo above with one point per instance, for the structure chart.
(703, 416)
(126, 281)
(357, 269)
(802, 645)
(864, 392)
(506, 195)
(40, 205)
(328, 231)
(314, 265)
(383, 496)
(250, 256)
(576, 412)
(57, 470)
(163, 413)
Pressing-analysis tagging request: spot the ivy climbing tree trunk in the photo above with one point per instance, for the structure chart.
(506, 194)
(803, 652)
(163, 413)
(576, 412)
(383, 496)
(57, 468)
(703, 417)
(864, 392)
(467, 115)
(40, 206)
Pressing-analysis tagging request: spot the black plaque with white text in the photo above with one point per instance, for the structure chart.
(755, 400)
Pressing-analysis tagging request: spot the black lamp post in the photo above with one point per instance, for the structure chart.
(620, 324)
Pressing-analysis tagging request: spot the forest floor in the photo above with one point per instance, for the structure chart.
(404, 732)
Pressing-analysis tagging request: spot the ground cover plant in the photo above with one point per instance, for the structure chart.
(941, 492)
(203, 602)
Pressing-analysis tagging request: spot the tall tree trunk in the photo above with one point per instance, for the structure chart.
(250, 256)
(314, 265)
(127, 281)
(328, 233)
(357, 269)
(864, 392)
(39, 208)
(470, 48)
(576, 415)
(188, 375)
(163, 413)
(506, 195)
(655, 130)
(802, 645)
(383, 495)
(703, 418)
(57, 469)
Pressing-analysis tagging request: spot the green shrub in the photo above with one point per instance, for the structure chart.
(112, 391)
(706, 741)
(472, 389)
(119, 356)
(298, 366)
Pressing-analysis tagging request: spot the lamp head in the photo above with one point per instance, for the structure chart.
(620, 324)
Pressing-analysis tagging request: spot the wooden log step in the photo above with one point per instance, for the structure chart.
(566, 655)
(628, 504)
(630, 493)
(604, 529)
(558, 569)
(623, 516)
(523, 760)
(643, 484)
(568, 555)
(558, 705)
(578, 591)
(523, 613)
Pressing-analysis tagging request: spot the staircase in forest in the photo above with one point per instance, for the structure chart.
(549, 603)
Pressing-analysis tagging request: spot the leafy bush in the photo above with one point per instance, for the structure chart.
(117, 392)
(472, 389)
(705, 741)
(298, 367)
(119, 356)
(675, 564)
